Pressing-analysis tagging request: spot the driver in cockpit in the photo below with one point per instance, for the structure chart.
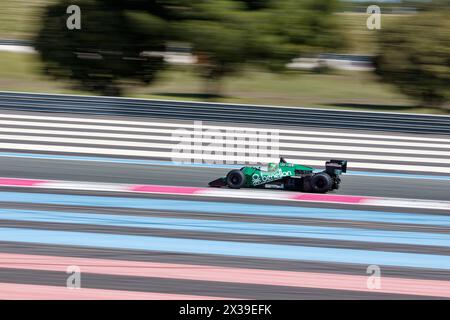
(272, 167)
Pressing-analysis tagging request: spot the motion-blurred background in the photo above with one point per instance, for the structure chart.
(304, 53)
(117, 188)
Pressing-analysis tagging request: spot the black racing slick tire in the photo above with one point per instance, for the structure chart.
(235, 179)
(321, 183)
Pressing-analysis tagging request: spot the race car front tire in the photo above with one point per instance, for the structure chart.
(321, 183)
(236, 179)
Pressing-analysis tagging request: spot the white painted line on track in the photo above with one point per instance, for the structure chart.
(197, 146)
(221, 127)
(210, 157)
(219, 133)
(226, 193)
(179, 139)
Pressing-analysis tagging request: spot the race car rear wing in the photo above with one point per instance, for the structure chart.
(336, 167)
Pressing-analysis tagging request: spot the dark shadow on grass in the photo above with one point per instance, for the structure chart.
(379, 107)
(203, 96)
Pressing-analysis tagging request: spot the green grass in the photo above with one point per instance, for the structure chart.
(22, 72)
(361, 40)
(20, 19)
(346, 90)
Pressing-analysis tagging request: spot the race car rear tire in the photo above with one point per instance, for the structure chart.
(321, 183)
(236, 179)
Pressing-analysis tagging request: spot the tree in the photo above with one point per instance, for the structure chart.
(415, 55)
(226, 35)
(122, 41)
(217, 33)
(108, 50)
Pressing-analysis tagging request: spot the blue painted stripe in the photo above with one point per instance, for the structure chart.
(214, 226)
(225, 248)
(225, 208)
(201, 165)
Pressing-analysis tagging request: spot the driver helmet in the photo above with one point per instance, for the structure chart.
(272, 167)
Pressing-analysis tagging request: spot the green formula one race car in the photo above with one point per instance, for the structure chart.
(284, 175)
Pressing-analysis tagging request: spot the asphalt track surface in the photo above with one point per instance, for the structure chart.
(269, 249)
(199, 177)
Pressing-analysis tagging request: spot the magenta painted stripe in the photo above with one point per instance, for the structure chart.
(13, 182)
(327, 281)
(224, 193)
(330, 198)
(13, 291)
(164, 189)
